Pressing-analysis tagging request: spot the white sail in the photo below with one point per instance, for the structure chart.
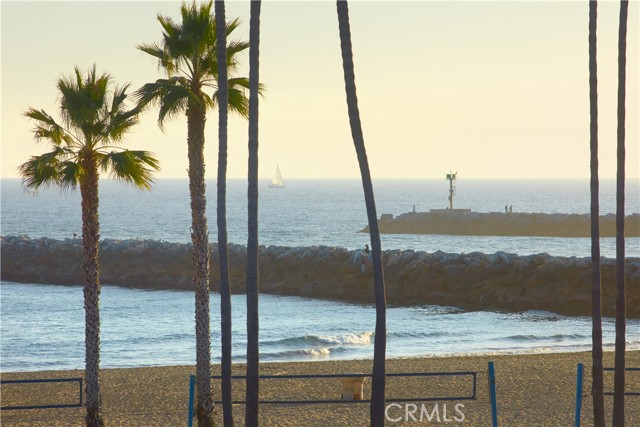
(277, 181)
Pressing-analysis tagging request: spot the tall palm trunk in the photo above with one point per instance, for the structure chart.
(225, 291)
(91, 275)
(200, 257)
(253, 327)
(378, 375)
(619, 377)
(596, 307)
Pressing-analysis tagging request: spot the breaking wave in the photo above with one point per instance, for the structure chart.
(364, 338)
(314, 346)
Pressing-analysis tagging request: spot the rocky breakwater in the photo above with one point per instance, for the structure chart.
(474, 281)
(504, 224)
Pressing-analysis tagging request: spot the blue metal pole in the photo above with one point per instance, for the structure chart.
(192, 386)
(579, 394)
(492, 395)
(81, 388)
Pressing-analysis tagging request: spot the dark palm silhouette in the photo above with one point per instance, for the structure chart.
(223, 254)
(378, 374)
(596, 293)
(619, 375)
(253, 362)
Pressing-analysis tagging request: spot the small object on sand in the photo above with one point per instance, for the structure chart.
(352, 387)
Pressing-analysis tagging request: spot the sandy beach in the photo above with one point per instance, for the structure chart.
(532, 390)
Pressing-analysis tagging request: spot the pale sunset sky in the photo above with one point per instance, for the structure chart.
(491, 89)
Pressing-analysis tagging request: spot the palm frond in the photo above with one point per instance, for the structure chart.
(232, 25)
(191, 47)
(47, 128)
(209, 62)
(165, 61)
(187, 41)
(197, 23)
(243, 82)
(239, 82)
(120, 124)
(168, 25)
(119, 98)
(149, 93)
(174, 102)
(134, 167)
(238, 101)
(171, 95)
(36, 175)
(208, 101)
(43, 170)
(120, 120)
(81, 101)
(152, 49)
(70, 173)
(93, 115)
(234, 48)
(40, 116)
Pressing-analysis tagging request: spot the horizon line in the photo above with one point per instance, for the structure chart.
(234, 178)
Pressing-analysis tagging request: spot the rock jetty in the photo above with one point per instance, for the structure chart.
(503, 224)
(474, 281)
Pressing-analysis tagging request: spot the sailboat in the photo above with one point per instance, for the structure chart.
(276, 181)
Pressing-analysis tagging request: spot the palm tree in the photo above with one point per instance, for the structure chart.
(378, 374)
(619, 375)
(187, 54)
(225, 290)
(84, 143)
(596, 303)
(251, 411)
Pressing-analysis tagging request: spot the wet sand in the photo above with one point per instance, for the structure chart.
(532, 390)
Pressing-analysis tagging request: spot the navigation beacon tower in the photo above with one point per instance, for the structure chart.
(451, 177)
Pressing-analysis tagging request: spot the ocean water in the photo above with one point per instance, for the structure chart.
(42, 329)
(42, 326)
(317, 212)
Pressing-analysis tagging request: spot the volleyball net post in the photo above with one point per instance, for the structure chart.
(192, 392)
(492, 395)
(579, 382)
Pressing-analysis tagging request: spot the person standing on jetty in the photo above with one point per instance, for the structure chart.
(364, 257)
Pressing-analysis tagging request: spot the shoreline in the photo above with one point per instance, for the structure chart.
(607, 349)
(533, 389)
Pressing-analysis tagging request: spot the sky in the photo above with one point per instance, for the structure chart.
(493, 90)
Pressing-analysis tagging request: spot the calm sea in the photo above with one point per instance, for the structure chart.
(42, 325)
(316, 212)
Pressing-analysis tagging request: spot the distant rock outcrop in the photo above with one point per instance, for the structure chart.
(473, 281)
(504, 224)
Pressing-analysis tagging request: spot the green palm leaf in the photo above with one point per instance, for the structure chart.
(40, 171)
(69, 174)
(40, 116)
(46, 127)
(135, 167)
(93, 115)
(187, 55)
(120, 120)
